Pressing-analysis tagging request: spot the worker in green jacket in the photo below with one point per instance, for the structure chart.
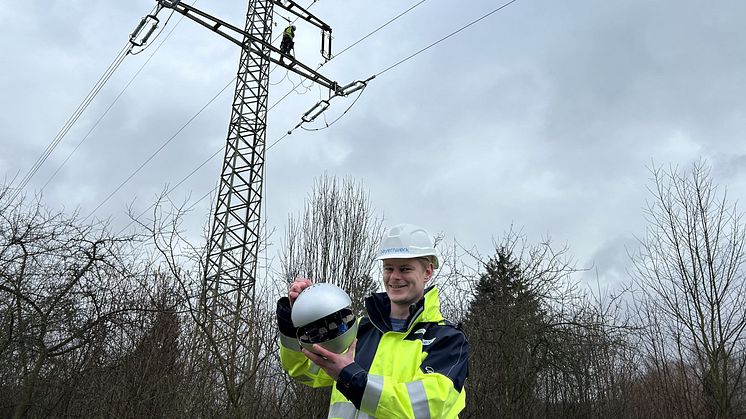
(287, 44)
(407, 360)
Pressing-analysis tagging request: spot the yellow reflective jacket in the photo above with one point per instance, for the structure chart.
(416, 373)
(289, 32)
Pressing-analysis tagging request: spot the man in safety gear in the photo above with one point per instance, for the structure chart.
(287, 44)
(407, 360)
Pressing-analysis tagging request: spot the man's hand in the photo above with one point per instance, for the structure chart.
(329, 361)
(297, 287)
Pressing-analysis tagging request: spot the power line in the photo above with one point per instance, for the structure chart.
(71, 121)
(379, 28)
(160, 149)
(340, 53)
(116, 99)
(409, 57)
(270, 108)
(209, 158)
(446, 37)
(198, 167)
(81, 108)
(173, 188)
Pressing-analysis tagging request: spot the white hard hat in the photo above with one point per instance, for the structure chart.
(407, 241)
(322, 315)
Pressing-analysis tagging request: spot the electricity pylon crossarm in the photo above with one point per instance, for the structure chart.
(326, 30)
(248, 40)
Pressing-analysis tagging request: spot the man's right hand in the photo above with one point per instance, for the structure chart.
(297, 287)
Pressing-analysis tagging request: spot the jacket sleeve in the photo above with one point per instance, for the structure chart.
(293, 361)
(435, 391)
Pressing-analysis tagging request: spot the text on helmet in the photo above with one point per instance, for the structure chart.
(394, 250)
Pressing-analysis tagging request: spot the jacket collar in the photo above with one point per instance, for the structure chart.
(378, 307)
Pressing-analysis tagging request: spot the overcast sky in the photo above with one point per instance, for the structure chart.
(546, 115)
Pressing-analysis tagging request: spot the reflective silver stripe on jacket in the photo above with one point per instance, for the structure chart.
(344, 410)
(290, 343)
(313, 368)
(372, 393)
(418, 398)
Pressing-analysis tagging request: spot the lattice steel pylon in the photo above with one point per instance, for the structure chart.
(233, 246)
(234, 234)
(227, 292)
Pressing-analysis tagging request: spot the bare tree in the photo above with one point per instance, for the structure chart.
(62, 283)
(230, 349)
(91, 324)
(455, 279)
(667, 385)
(690, 271)
(138, 371)
(334, 240)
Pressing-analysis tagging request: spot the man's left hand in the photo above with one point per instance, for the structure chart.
(329, 361)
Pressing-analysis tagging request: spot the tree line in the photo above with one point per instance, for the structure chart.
(102, 324)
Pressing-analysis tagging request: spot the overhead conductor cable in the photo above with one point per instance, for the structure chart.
(131, 43)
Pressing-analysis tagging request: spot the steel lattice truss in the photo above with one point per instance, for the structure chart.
(230, 271)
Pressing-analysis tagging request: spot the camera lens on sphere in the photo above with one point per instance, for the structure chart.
(322, 315)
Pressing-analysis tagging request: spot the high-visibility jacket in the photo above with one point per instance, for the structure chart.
(289, 32)
(416, 373)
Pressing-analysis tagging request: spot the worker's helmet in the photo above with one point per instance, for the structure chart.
(322, 314)
(407, 241)
(293, 27)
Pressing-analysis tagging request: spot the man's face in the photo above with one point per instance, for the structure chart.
(405, 280)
